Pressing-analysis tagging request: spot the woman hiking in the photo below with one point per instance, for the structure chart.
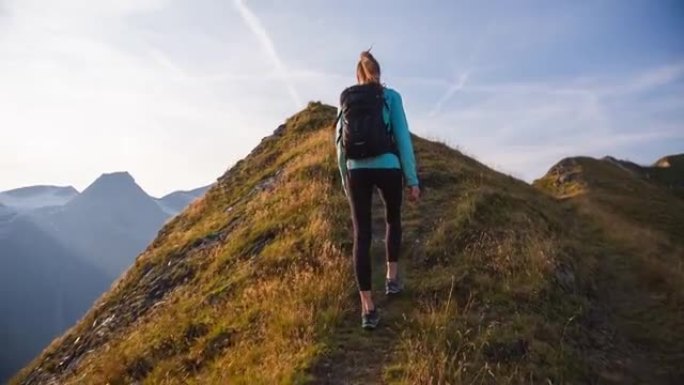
(374, 149)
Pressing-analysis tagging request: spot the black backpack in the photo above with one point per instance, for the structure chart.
(364, 132)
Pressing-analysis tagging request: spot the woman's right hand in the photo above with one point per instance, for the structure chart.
(414, 193)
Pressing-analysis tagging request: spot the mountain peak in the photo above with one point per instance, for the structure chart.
(115, 177)
(112, 185)
(118, 194)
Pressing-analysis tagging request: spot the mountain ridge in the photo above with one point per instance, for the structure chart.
(40, 189)
(252, 284)
(36, 197)
(176, 201)
(39, 234)
(40, 196)
(674, 160)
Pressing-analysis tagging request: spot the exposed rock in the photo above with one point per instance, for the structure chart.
(269, 183)
(280, 130)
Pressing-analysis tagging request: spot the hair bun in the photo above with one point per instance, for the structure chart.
(366, 55)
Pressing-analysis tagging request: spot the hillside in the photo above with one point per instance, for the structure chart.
(44, 289)
(252, 285)
(641, 217)
(611, 186)
(669, 171)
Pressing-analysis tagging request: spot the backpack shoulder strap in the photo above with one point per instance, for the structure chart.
(389, 111)
(337, 120)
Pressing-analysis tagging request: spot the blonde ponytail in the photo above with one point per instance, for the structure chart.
(368, 69)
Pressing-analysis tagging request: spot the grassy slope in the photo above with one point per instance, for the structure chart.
(252, 285)
(639, 225)
(244, 285)
(669, 171)
(496, 291)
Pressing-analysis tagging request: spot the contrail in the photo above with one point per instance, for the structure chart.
(463, 78)
(458, 85)
(258, 29)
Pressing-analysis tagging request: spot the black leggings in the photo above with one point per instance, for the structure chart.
(360, 184)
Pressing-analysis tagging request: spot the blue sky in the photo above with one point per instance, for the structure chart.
(175, 91)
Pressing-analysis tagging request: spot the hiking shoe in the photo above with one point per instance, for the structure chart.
(369, 321)
(393, 286)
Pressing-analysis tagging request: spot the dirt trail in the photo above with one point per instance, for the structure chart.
(360, 356)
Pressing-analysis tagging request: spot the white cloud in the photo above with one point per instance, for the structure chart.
(524, 128)
(653, 78)
(82, 98)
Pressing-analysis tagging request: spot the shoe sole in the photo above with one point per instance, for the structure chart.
(369, 327)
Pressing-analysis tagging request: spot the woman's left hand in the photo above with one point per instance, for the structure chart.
(414, 193)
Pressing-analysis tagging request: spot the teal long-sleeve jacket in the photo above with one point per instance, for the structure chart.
(396, 118)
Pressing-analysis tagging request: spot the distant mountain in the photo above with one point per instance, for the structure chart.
(34, 197)
(109, 223)
(44, 289)
(59, 250)
(6, 215)
(175, 202)
(4, 210)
